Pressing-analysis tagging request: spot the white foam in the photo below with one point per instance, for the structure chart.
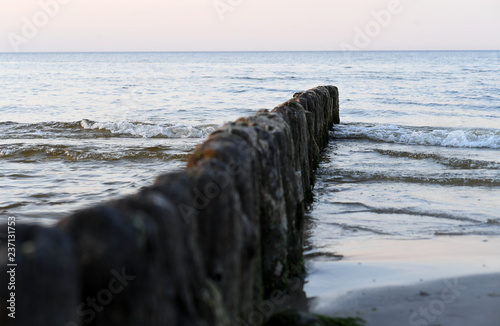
(6, 152)
(151, 130)
(469, 138)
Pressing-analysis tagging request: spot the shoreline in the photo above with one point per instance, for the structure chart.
(408, 282)
(461, 301)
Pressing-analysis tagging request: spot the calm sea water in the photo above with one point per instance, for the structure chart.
(417, 154)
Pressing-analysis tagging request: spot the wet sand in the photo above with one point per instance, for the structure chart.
(447, 281)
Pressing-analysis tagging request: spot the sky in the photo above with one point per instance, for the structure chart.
(248, 25)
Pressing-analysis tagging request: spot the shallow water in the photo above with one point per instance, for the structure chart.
(408, 188)
(371, 188)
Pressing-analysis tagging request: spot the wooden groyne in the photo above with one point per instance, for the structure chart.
(203, 246)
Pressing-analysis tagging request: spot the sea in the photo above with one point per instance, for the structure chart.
(416, 156)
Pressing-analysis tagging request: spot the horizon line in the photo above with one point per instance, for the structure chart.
(239, 51)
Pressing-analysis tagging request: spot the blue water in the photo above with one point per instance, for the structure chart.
(416, 155)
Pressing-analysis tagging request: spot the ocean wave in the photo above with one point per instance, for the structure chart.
(42, 152)
(263, 78)
(410, 211)
(448, 179)
(95, 129)
(445, 137)
(147, 130)
(453, 162)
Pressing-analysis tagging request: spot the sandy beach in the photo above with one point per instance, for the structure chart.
(446, 281)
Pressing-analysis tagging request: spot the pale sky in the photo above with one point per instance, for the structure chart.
(248, 25)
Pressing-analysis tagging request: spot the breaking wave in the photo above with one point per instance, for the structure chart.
(95, 129)
(429, 136)
(151, 130)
